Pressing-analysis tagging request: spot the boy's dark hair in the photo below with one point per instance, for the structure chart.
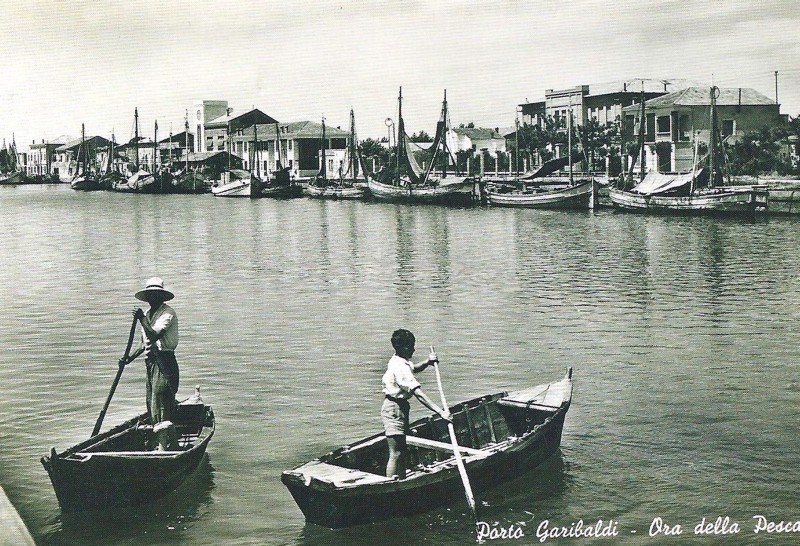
(402, 337)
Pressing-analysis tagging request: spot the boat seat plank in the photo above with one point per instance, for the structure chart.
(340, 476)
(424, 442)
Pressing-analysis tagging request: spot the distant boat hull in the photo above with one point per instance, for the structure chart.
(237, 188)
(335, 191)
(11, 179)
(458, 191)
(579, 196)
(85, 182)
(283, 191)
(728, 201)
(500, 435)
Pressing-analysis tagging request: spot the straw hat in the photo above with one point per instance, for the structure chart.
(154, 286)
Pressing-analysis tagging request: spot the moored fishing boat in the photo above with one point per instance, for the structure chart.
(577, 196)
(499, 435)
(120, 468)
(234, 183)
(85, 178)
(696, 192)
(346, 185)
(534, 193)
(409, 182)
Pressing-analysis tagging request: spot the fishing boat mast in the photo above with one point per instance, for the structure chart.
(642, 131)
(136, 137)
(712, 141)
(569, 139)
(324, 169)
(353, 163)
(400, 139)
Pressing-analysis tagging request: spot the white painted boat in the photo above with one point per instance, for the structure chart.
(578, 196)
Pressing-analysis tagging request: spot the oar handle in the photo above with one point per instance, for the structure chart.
(99, 422)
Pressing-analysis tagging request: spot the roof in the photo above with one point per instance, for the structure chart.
(700, 96)
(97, 140)
(637, 85)
(250, 117)
(295, 130)
(477, 133)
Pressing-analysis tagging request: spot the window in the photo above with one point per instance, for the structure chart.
(728, 127)
(290, 145)
(684, 127)
(650, 135)
(663, 125)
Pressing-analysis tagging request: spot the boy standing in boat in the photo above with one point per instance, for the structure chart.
(399, 384)
(159, 340)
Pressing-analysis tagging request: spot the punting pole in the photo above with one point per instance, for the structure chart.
(99, 422)
(456, 451)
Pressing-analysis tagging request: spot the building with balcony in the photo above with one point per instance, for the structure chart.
(674, 122)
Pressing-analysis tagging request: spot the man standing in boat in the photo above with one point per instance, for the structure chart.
(159, 340)
(399, 384)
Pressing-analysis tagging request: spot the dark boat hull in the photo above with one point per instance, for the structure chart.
(356, 497)
(114, 469)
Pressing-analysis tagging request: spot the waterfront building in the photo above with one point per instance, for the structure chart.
(65, 156)
(603, 102)
(477, 139)
(203, 112)
(217, 131)
(41, 158)
(175, 147)
(300, 145)
(126, 155)
(674, 121)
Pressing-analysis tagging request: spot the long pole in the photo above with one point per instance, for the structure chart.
(136, 136)
(99, 422)
(456, 451)
(569, 139)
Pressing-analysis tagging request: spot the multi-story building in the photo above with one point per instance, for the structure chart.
(41, 156)
(674, 122)
(299, 148)
(217, 131)
(203, 112)
(65, 156)
(603, 102)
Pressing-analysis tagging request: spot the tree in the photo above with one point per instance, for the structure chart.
(422, 136)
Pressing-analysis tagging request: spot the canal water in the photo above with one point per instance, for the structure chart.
(683, 334)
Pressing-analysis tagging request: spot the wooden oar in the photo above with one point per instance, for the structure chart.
(116, 379)
(456, 451)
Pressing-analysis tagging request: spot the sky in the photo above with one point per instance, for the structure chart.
(72, 63)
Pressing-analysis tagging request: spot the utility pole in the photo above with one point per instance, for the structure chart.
(776, 87)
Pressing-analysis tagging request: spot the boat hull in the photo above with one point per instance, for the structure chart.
(459, 191)
(11, 179)
(237, 188)
(579, 196)
(85, 183)
(731, 201)
(334, 191)
(288, 191)
(115, 468)
(331, 493)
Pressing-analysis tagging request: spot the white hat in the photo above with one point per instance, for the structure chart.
(154, 286)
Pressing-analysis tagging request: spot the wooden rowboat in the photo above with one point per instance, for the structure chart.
(577, 196)
(499, 435)
(118, 467)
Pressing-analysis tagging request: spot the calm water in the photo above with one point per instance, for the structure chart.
(683, 334)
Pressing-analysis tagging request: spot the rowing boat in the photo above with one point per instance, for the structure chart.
(119, 468)
(499, 436)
